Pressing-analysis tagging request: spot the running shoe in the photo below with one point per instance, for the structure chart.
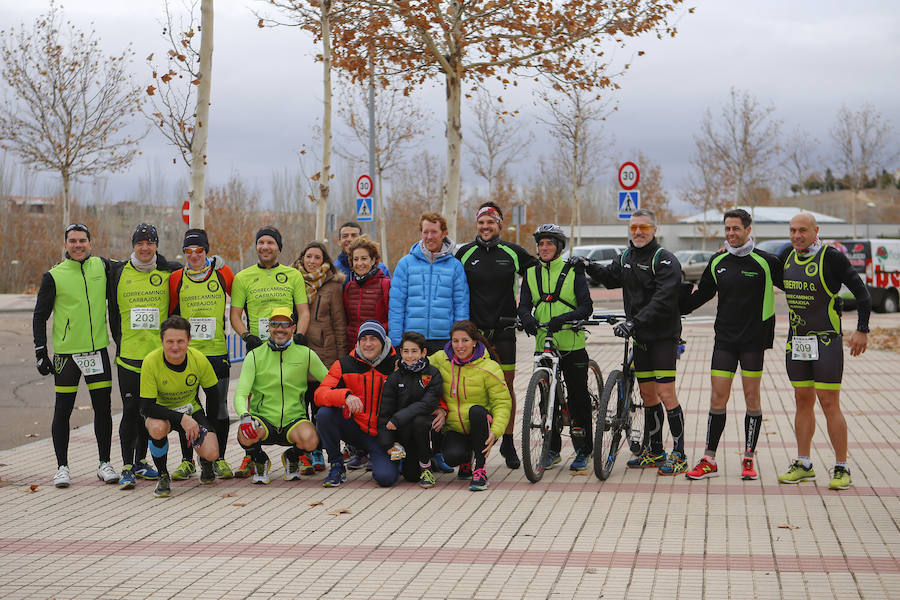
(841, 479)
(184, 471)
(291, 467)
(61, 479)
(306, 465)
(358, 461)
(465, 471)
(223, 469)
(143, 470)
(261, 472)
(107, 473)
(426, 479)
(797, 473)
(437, 461)
(163, 487)
(706, 469)
(508, 452)
(647, 460)
(126, 481)
(246, 469)
(581, 461)
(397, 452)
(553, 459)
(336, 476)
(207, 472)
(479, 481)
(676, 463)
(318, 460)
(748, 469)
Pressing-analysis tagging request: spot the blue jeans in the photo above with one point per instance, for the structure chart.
(333, 427)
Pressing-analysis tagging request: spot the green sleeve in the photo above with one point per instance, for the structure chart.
(299, 289)
(148, 379)
(316, 367)
(238, 291)
(207, 374)
(245, 384)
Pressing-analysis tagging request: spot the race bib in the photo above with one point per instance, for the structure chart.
(263, 329)
(185, 410)
(89, 363)
(145, 317)
(805, 347)
(203, 328)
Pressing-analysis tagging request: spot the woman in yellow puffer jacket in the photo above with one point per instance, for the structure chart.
(476, 404)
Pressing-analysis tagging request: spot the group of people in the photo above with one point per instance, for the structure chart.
(414, 372)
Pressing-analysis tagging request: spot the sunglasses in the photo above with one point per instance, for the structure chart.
(642, 227)
(190, 251)
(281, 324)
(77, 227)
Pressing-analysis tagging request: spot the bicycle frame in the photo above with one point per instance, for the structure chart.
(551, 354)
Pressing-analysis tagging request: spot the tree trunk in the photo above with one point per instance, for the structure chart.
(65, 204)
(450, 207)
(325, 173)
(197, 191)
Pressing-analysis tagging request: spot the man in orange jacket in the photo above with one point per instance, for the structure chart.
(349, 398)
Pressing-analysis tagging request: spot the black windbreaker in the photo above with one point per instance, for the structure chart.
(650, 278)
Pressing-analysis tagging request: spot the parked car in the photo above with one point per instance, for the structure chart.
(878, 263)
(692, 263)
(773, 246)
(600, 254)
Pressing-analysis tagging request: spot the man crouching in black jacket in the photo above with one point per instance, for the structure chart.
(650, 278)
(408, 399)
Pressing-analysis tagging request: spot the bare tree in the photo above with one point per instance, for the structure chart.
(799, 157)
(741, 144)
(498, 142)
(398, 125)
(236, 219)
(69, 101)
(653, 193)
(706, 190)
(180, 94)
(862, 141)
(573, 118)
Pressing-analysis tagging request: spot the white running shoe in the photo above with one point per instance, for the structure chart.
(61, 479)
(107, 473)
(261, 472)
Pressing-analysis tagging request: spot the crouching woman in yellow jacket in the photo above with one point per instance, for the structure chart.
(476, 404)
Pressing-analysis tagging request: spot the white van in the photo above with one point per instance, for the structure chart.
(878, 263)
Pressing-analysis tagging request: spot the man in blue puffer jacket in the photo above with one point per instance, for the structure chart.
(429, 291)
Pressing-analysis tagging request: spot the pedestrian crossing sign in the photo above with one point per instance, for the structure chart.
(628, 203)
(364, 209)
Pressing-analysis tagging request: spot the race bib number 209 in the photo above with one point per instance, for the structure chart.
(805, 347)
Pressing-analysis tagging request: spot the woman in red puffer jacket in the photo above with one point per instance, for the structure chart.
(367, 291)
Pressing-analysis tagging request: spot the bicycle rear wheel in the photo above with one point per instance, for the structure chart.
(535, 437)
(634, 425)
(595, 386)
(608, 431)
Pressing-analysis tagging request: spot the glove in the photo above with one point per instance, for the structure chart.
(529, 324)
(555, 324)
(248, 427)
(625, 329)
(44, 364)
(251, 340)
(579, 261)
(300, 339)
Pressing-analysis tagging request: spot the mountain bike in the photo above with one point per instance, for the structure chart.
(621, 411)
(546, 409)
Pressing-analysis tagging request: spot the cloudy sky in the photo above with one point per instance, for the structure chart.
(806, 57)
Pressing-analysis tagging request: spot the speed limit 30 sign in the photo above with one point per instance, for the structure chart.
(629, 175)
(364, 186)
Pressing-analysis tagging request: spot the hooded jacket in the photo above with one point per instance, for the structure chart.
(353, 374)
(428, 296)
(366, 302)
(408, 394)
(478, 381)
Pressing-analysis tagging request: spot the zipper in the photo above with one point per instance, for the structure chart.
(66, 330)
(281, 379)
(88, 297)
(458, 403)
(318, 303)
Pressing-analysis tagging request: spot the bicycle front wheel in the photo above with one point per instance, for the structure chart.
(608, 432)
(637, 435)
(535, 434)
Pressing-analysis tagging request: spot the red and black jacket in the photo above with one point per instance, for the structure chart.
(357, 376)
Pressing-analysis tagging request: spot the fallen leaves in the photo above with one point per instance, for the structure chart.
(339, 511)
(316, 503)
(788, 526)
(32, 488)
(239, 504)
(884, 338)
(30, 435)
(229, 495)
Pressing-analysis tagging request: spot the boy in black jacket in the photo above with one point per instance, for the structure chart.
(408, 399)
